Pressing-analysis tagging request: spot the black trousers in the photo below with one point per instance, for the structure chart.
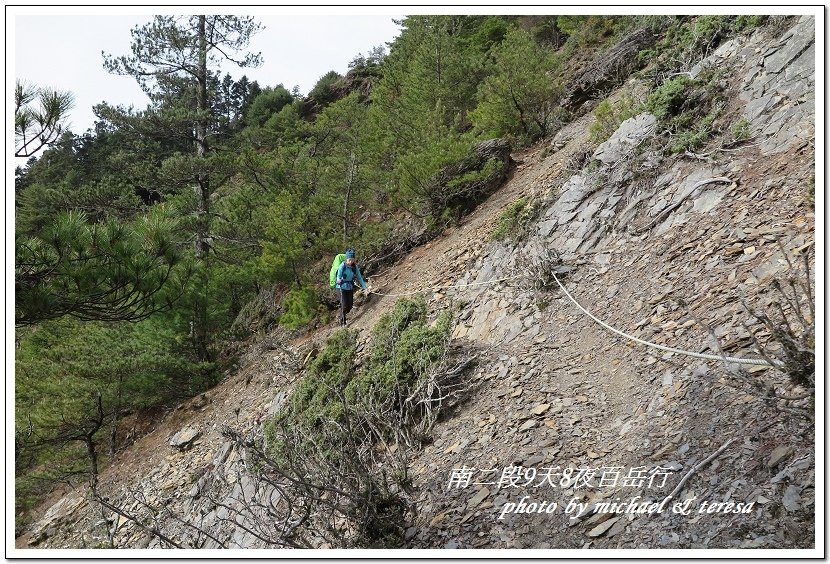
(346, 301)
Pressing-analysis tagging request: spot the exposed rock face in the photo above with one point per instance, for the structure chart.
(647, 233)
(630, 133)
(360, 80)
(63, 513)
(184, 438)
(654, 245)
(779, 88)
(595, 209)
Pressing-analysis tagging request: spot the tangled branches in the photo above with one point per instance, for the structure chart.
(342, 441)
(330, 468)
(538, 266)
(790, 322)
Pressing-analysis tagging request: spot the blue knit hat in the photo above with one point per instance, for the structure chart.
(349, 253)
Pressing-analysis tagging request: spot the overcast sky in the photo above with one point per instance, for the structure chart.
(61, 47)
(64, 51)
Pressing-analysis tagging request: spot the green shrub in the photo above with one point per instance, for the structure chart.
(688, 39)
(391, 325)
(300, 306)
(694, 134)
(461, 194)
(315, 408)
(585, 31)
(462, 186)
(706, 32)
(688, 109)
(740, 130)
(322, 445)
(645, 56)
(507, 223)
(315, 397)
(667, 98)
(608, 117)
(404, 350)
(397, 370)
(514, 221)
(746, 22)
(688, 140)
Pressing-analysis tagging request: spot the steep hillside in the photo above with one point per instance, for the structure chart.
(666, 248)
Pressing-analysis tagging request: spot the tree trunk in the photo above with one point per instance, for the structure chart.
(116, 414)
(93, 459)
(352, 167)
(202, 184)
(88, 439)
(202, 197)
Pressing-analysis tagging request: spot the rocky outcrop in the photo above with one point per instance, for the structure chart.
(609, 69)
(184, 438)
(631, 132)
(359, 79)
(463, 185)
(779, 88)
(662, 248)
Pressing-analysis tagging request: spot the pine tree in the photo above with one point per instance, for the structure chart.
(177, 53)
(98, 271)
(520, 94)
(36, 126)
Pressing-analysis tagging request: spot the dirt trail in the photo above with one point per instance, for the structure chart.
(444, 260)
(577, 397)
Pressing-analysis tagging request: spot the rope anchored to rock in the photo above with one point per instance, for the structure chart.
(730, 359)
(750, 361)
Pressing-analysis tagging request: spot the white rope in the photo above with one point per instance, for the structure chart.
(748, 361)
(663, 347)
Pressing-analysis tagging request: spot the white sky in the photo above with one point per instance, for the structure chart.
(61, 47)
(64, 52)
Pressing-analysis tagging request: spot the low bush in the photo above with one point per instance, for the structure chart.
(688, 109)
(790, 321)
(608, 117)
(748, 22)
(333, 439)
(668, 98)
(506, 222)
(300, 305)
(686, 40)
(740, 131)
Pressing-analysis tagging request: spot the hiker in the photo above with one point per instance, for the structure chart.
(347, 272)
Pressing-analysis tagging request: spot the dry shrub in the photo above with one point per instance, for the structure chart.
(790, 321)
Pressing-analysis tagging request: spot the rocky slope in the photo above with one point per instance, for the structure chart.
(664, 248)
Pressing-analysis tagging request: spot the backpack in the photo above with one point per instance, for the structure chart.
(338, 260)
